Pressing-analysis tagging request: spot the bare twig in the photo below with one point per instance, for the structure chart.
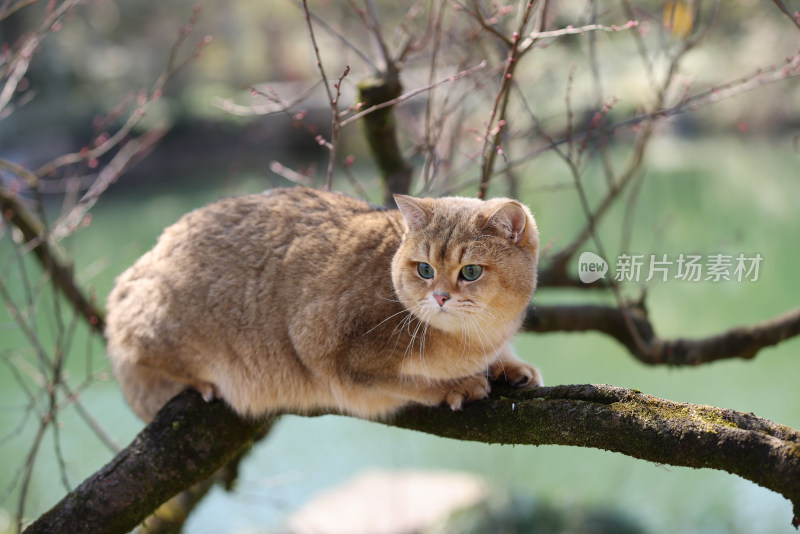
(333, 99)
(289, 174)
(61, 271)
(794, 17)
(9, 9)
(274, 105)
(108, 143)
(589, 28)
(339, 37)
(497, 117)
(123, 159)
(414, 92)
(17, 64)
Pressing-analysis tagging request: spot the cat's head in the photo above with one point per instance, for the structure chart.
(466, 264)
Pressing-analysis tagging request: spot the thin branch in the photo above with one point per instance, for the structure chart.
(580, 30)
(59, 269)
(332, 98)
(785, 70)
(121, 162)
(475, 13)
(496, 124)
(794, 17)
(740, 342)
(339, 37)
(17, 65)
(275, 104)
(414, 92)
(110, 142)
(369, 16)
(9, 10)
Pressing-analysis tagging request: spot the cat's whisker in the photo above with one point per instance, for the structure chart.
(380, 323)
(397, 339)
(422, 344)
(410, 347)
(464, 339)
(481, 336)
(399, 301)
(406, 323)
(489, 311)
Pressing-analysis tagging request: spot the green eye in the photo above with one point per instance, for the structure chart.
(425, 270)
(471, 272)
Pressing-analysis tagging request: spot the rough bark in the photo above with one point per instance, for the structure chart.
(185, 444)
(189, 440)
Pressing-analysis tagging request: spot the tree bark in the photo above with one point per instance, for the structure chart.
(189, 440)
(186, 443)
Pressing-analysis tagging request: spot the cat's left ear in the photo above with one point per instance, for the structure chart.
(515, 222)
(416, 211)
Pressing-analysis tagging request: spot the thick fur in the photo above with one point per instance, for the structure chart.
(299, 299)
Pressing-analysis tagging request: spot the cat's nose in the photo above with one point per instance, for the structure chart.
(441, 297)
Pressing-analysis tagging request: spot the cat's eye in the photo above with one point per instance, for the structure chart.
(471, 272)
(425, 270)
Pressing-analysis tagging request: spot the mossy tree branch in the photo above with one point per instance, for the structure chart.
(184, 445)
(189, 440)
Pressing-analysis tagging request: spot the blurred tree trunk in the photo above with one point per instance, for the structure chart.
(381, 133)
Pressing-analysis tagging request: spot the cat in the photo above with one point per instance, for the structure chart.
(300, 300)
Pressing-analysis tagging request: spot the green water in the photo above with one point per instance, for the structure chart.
(735, 196)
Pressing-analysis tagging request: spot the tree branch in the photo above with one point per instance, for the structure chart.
(186, 443)
(60, 270)
(632, 423)
(740, 342)
(189, 440)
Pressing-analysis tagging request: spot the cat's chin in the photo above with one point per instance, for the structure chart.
(452, 321)
(447, 322)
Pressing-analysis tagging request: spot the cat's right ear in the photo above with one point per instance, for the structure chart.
(416, 211)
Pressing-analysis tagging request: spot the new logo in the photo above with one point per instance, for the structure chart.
(591, 267)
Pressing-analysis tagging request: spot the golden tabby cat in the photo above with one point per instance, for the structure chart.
(299, 299)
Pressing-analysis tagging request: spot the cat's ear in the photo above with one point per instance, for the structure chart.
(513, 221)
(416, 211)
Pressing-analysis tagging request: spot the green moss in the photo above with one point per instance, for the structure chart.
(708, 418)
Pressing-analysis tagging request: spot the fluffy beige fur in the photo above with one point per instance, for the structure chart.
(299, 299)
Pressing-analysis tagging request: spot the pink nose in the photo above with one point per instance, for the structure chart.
(441, 297)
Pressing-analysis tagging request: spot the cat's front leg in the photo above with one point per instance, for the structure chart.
(461, 391)
(453, 392)
(514, 371)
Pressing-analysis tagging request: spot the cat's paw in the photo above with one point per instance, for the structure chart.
(467, 390)
(207, 390)
(516, 373)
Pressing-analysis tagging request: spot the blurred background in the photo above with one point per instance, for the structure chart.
(219, 98)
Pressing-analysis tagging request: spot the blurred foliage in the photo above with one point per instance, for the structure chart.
(525, 515)
(108, 49)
